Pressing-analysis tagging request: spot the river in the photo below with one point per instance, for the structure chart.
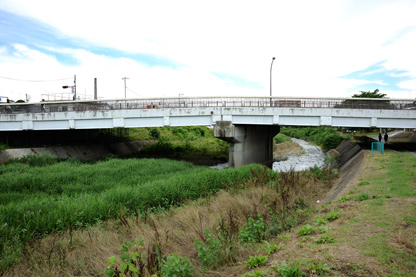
(313, 156)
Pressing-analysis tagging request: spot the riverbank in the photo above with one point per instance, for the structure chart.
(368, 230)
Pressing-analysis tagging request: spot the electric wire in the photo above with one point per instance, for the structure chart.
(35, 81)
(134, 92)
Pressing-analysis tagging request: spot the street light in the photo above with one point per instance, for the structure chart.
(73, 88)
(271, 67)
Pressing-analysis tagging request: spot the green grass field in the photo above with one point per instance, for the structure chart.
(39, 195)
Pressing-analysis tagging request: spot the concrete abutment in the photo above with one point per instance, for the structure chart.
(247, 143)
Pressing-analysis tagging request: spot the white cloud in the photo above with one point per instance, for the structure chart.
(314, 43)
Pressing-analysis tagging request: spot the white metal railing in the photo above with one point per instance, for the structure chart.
(203, 102)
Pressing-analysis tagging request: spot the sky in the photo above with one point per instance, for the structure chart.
(192, 48)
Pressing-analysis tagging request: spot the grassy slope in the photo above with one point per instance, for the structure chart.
(375, 236)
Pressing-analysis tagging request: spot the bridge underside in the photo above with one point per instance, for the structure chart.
(248, 143)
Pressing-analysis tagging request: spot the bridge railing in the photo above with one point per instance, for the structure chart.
(204, 102)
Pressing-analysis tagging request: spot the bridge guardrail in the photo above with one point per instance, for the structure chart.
(203, 102)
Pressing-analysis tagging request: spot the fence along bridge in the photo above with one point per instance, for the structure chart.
(247, 123)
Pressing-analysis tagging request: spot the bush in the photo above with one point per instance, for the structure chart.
(254, 230)
(215, 251)
(176, 265)
(279, 138)
(331, 141)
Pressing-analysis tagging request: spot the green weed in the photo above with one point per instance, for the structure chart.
(256, 261)
(362, 197)
(320, 220)
(176, 265)
(271, 247)
(305, 230)
(325, 238)
(287, 270)
(333, 215)
(254, 230)
(317, 268)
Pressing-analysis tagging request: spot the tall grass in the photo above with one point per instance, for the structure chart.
(37, 200)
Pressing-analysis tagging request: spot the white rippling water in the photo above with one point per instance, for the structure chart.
(313, 156)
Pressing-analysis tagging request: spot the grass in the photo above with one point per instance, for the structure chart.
(41, 199)
(184, 143)
(372, 237)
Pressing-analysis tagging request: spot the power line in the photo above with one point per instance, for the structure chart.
(134, 92)
(39, 81)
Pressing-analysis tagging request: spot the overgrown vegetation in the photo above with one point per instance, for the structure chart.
(204, 237)
(186, 143)
(40, 195)
(327, 137)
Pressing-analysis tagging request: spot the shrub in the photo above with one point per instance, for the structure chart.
(255, 261)
(279, 138)
(131, 260)
(217, 250)
(331, 141)
(154, 133)
(254, 230)
(176, 265)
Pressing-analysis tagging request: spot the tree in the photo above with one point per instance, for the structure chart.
(369, 94)
(366, 104)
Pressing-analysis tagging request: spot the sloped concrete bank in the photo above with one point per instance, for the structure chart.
(84, 152)
(351, 159)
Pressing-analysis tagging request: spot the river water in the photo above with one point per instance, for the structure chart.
(313, 156)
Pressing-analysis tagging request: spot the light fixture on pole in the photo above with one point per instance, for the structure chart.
(271, 67)
(73, 88)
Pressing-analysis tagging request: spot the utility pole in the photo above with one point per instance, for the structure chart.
(95, 89)
(74, 88)
(125, 78)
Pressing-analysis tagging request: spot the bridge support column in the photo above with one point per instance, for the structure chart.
(248, 143)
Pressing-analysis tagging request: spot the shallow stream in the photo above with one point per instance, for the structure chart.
(313, 156)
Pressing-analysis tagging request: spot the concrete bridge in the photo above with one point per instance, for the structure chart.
(247, 123)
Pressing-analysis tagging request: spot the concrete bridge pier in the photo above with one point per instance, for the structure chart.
(248, 143)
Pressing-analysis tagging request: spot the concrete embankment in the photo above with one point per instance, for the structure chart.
(351, 159)
(84, 152)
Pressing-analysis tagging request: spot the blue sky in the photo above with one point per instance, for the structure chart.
(168, 48)
(377, 76)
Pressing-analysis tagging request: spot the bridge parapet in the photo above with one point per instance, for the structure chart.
(206, 102)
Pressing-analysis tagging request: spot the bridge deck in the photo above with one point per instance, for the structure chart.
(156, 112)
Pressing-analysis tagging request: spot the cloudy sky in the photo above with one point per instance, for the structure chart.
(332, 48)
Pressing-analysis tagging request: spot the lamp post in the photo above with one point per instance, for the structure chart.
(125, 78)
(271, 67)
(73, 88)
